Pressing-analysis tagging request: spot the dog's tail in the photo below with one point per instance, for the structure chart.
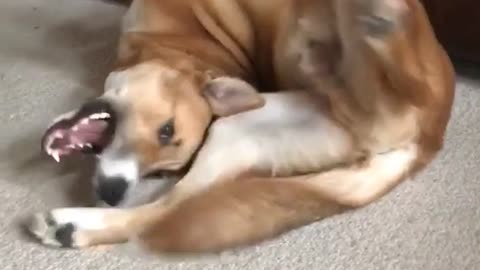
(245, 211)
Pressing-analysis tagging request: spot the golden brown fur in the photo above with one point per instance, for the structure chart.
(237, 213)
(256, 45)
(381, 92)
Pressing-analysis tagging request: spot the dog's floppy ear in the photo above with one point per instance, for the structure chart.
(228, 96)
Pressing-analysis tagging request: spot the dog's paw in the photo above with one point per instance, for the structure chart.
(379, 18)
(51, 233)
(74, 227)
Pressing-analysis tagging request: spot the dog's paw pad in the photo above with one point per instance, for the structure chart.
(380, 17)
(46, 229)
(376, 26)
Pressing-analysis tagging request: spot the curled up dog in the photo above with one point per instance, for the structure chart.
(362, 93)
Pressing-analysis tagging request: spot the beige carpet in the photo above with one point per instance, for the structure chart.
(54, 54)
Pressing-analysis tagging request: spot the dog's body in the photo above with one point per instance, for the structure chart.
(369, 97)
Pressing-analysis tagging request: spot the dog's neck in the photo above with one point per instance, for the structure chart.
(186, 53)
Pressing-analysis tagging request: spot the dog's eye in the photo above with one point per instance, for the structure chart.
(166, 132)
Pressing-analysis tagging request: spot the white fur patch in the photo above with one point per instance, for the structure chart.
(359, 186)
(116, 84)
(82, 218)
(45, 226)
(288, 133)
(383, 171)
(121, 166)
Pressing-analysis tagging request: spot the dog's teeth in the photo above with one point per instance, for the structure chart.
(56, 156)
(85, 121)
(99, 116)
(89, 145)
(71, 146)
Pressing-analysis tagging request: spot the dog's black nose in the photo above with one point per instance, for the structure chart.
(112, 190)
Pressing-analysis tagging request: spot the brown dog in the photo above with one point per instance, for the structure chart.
(375, 94)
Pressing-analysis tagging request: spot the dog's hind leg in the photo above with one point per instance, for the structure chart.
(389, 46)
(391, 64)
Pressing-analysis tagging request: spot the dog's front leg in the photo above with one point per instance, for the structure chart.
(84, 227)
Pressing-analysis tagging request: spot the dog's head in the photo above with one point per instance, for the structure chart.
(150, 119)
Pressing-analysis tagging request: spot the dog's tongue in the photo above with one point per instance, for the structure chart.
(84, 136)
(87, 132)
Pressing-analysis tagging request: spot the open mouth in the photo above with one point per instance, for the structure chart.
(89, 131)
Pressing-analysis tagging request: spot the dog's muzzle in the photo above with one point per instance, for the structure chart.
(112, 191)
(89, 129)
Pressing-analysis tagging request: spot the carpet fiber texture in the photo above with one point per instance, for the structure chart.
(55, 54)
